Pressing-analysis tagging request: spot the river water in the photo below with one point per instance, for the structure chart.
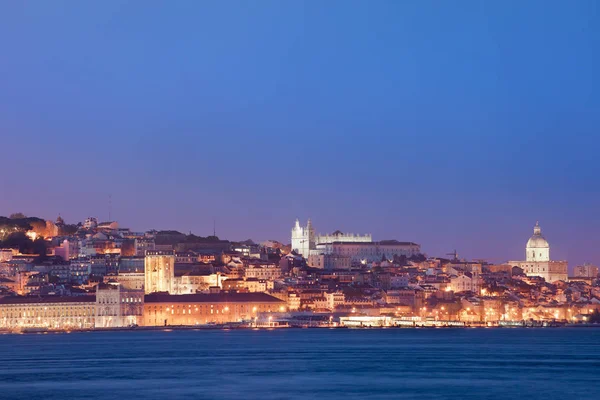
(558, 363)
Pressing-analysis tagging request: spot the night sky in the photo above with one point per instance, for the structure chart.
(456, 125)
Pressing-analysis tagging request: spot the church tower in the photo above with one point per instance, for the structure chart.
(303, 238)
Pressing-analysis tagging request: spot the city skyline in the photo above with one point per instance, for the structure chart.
(299, 199)
(456, 128)
(286, 241)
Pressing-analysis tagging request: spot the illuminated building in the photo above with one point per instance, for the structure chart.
(344, 246)
(197, 282)
(334, 299)
(6, 255)
(117, 306)
(128, 280)
(159, 270)
(193, 309)
(304, 239)
(537, 259)
(248, 285)
(47, 312)
(266, 271)
(368, 252)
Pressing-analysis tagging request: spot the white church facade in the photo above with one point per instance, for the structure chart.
(537, 259)
(339, 250)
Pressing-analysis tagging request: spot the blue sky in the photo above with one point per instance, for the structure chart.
(455, 125)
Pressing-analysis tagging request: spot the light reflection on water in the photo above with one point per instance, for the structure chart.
(308, 363)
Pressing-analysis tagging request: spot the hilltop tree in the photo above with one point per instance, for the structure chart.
(17, 216)
(21, 241)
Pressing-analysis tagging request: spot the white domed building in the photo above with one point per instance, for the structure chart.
(537, 248)
(537, 259)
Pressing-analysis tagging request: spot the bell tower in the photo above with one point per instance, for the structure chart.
(303, 238)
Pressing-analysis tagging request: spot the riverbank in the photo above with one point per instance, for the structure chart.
(227, 327)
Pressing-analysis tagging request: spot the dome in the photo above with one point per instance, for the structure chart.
(537, 241)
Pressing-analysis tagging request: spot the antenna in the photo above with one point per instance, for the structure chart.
(109, 206)
(214, 227)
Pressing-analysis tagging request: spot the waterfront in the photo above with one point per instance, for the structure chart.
(307, 363)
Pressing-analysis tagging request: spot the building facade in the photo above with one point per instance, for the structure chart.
(358, 248)
(128, 280)
(159, 271)
(328, 261)
(53, 312)
(117, 306)
(161, 309)
(248, 285)
(303, 238)
(537, 259)
(368, 252)
(585, 271)
(142, 245)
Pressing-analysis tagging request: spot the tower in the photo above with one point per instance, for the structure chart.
(303, 238)
(311, 236)
(159, 271)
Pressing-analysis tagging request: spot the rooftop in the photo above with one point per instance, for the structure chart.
(164, 297)
(47, 300)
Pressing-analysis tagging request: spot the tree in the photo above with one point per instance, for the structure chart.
(17, 216)
(67, 229)
(418, 258)
(21, 241)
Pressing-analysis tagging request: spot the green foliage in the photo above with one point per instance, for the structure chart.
(19, 240)
(418, 258)
(17, 216)
(191, 238)
(68, 229)
(21, 224)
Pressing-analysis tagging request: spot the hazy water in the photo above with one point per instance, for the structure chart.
(310, 363)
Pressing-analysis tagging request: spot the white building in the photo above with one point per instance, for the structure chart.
(303, 238)
(334, 300)
(464, 283)
(90, 223)
(537, 259)
(356, 248)
(339, 236)
(365, 253)
(197, 283)
(117, 306)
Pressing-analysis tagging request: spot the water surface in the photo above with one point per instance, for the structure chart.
(303, 364)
